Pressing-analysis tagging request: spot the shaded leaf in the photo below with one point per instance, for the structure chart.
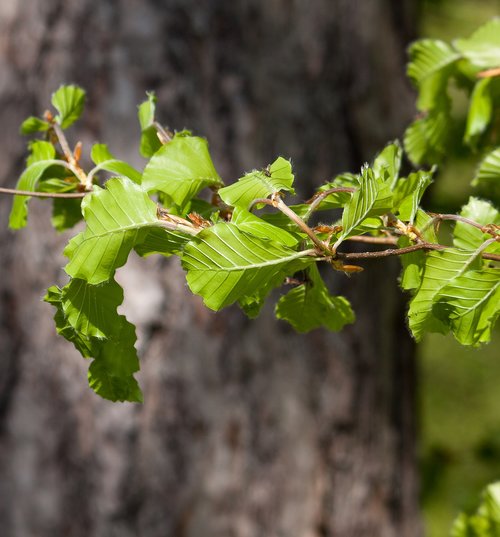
(428, 57)
(310, 305)
(480, 110)
(66, 213)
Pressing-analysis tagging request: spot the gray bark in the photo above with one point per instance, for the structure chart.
(247, 428)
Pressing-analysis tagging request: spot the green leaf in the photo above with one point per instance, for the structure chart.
(66, 213)
(413, 266)
(150, 143)
(181, 169)
(87, 316)
(441, 268)
(69, 102)
(428, 57)
(482, 48)
(409, 192)
(117, 218)
(428, 139)
(480, 111)
(338, 199)
(486, 521)
(163, 242)
(104, 160)
(373, 198)
(32, 125)
(249, 223)
(224, 264)
(42, 157)
(470, 305)
(311, 306)
(469, 237)
(388, 162)
(489, 170)
(259, 184)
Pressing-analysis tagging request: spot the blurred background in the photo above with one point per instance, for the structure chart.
(247, 429)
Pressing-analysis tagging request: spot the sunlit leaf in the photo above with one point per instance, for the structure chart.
(32, 125)
(388, 162)
(259, 184)
(117, 218)
(181, 169)
(489, 170)
(409, 192)
(69, 102)
(480, 110)
(427, 57)
(482, 48)
(150, 143)
(224, 264)
(104, 160)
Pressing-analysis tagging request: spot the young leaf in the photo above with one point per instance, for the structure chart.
(388, 162)
(248, 222)
(224, 264)
(482, 48)
(259, 184)
(150, 143)
(181, 169)
(32, 125)
(427, 139)
(42, 157)
(469, 237)
(311, 306)
(69, 102)
(373, 198)
(117, 218)
(409, 192)
(470, 305)
(413, 266)
(441, 268)
(480, 110)
(489, 170)
(428, 57)
(104, 160)
(87, 316)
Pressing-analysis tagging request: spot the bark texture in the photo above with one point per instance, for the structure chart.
(247, 429)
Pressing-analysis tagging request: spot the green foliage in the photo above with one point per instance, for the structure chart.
(239, 242)
(486, 521)
(435, 67)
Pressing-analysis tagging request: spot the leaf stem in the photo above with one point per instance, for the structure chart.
(316, 200)
(70, 157)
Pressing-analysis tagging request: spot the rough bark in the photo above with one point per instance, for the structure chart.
(247, 429)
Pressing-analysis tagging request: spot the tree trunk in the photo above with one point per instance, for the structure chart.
(247, 428)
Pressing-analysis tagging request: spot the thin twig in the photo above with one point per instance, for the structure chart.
(70, 157)
(373, 240)
(68, 195)
(162, 133)
(316, 200)
(488, 73)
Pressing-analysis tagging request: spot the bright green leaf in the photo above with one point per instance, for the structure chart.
(181, 169)
(428, 57)
(489, 170)
(373, 198)
(409, 192)
(441, 268)
(117, 218)
(482, 48)
(480, 110)
(470, 305)
(388, 162)
(224, 264)
(69, 102)
(104, 160)
(150, 143)
(32, 125)
(259, 184)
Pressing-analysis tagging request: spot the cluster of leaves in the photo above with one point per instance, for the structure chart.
(486, 521)
(239, 242)
(443, 73)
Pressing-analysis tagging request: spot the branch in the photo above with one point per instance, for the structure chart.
(373, 240)
(457, 218)
(278, 203)
(320, 196)
(70, 157)
(408, 250)
(68, 195)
